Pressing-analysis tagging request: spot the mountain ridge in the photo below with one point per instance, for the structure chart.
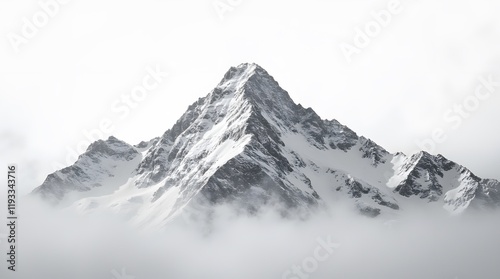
(247, 142)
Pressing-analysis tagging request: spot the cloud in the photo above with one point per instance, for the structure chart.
(415, 245)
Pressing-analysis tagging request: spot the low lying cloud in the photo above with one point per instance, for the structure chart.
(340, 244)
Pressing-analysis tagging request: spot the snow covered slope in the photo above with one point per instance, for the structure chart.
(247, 143)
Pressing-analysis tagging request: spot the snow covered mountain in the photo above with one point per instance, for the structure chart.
(247, 143)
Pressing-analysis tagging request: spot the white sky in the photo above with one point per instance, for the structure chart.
(65, 79)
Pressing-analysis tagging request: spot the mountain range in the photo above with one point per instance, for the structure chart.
(248, 144)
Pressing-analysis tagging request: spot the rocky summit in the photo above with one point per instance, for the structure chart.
(247, 143)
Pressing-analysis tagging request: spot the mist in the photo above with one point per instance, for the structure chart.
(335, 244)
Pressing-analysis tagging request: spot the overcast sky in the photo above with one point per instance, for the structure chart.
(423, 68)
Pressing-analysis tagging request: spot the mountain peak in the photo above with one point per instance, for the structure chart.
(248, 143)
(237, 76)
(249, 66)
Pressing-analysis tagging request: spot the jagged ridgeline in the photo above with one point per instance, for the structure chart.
(247, 143)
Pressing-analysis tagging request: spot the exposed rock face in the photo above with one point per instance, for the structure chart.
(248, 143)
(98, 166)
